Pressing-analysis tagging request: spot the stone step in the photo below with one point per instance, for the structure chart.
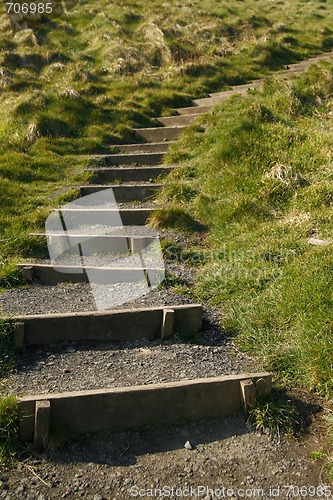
(219, 97)
(104, 326)
(150, 147)
(124, 193)
(245, 87)
(125, 174)
(107, 216)
(98, 244)
(128, 159)
(60, 273)
(305, 64)
(135, 407)
(178, 120)
(193, 110)
(159, 133)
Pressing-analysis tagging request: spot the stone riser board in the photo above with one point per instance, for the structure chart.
(123, 193)
(106, 326)
(135, 407)
(53, 274)
(137, 174)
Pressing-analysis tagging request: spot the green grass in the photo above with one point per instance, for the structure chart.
(31, 186)
(329, 455)
(123, 67)
(263, 175)
(260, 178)
(275, 417)
(10, 445)
(8, 352)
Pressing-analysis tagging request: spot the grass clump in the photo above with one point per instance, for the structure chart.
(8, 352)
(174, 218)
(10, 446)
(275, 417)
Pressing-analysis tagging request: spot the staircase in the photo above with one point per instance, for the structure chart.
(132, 174)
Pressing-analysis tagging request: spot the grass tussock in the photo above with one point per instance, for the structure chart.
(275, 417)
(10, 446)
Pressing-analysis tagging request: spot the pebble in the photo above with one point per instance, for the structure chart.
(188, 445)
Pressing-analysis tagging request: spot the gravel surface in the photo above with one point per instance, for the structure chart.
(107, 261)
(104, 366)
(43, 370)
(75, 297)
(225, 453)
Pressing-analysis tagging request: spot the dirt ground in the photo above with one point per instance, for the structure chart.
(228, 459)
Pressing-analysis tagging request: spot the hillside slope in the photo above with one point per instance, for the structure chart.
(260, 178)
(123, 63)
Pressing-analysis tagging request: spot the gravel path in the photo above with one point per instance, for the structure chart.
(221, 453)
(150, 258)
(225, 453)
(44, 370)
(76, 297)
(108, 365)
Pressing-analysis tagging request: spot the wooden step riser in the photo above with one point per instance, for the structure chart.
(135, 407)
(193, 110)
(53, 275)
(220, 97)
(89, 245)
(159, 133)
(124, 194)
(129, 217)
(137, 174)
(106, 326)
(159, 147)
(177, 121)
(128, 159)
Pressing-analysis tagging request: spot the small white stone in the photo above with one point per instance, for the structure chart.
(188, 445)
(317, 242)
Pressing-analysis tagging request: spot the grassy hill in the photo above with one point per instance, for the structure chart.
(77, 84)
(260, 178)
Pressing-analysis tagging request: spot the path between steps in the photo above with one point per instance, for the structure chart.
(226, 452)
